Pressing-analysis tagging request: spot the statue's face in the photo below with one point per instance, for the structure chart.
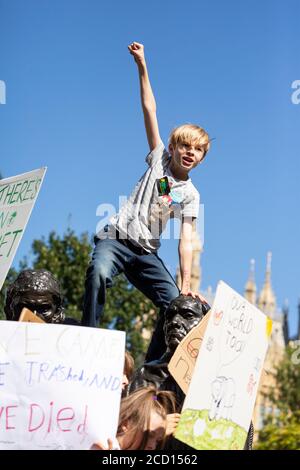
(177, 326)
(43, 305)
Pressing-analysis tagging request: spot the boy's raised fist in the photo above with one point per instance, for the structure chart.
(137, 50)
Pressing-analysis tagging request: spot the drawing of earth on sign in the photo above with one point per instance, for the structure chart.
(198, 431)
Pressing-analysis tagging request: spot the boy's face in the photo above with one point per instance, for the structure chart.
(186, 155)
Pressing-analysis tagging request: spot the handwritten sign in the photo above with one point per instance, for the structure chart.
(17, 198)
(60, 385)
(183, 361)
(220, 400)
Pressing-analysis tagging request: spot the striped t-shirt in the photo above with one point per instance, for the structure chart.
(145, 214)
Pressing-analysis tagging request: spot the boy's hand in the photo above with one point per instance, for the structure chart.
(195, 295)
(137, 50)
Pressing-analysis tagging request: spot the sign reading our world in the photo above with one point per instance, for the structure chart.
(220, 398)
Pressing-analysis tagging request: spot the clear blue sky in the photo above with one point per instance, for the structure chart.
(73, 105)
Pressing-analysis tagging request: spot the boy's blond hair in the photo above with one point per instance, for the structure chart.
(191, 134)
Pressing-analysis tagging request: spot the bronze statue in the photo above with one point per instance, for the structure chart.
(181, 316)
(37, 290)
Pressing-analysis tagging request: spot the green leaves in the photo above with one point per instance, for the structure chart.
(67, 258)
(283, 437)
(283, 431)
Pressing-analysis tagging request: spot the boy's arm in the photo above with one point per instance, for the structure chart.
(147, 97)
(185, 249)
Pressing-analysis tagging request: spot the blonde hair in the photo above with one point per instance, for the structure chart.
(136, 410)
(191, 134)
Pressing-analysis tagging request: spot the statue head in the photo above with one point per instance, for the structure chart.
(37, 290)
(181, 316)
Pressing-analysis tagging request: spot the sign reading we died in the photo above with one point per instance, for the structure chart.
(60, 385)
(219, 403)
(17, 198)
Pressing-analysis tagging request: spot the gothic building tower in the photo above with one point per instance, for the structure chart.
(250, 287)
(267, 300)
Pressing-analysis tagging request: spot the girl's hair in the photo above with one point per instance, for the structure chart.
(128, 365)
(192, 134)
(136, 410)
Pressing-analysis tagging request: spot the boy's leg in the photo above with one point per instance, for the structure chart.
(107, 261)
(151, 277)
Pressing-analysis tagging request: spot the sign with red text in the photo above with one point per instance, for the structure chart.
(60, 385)
(219, 403)
(17, 198)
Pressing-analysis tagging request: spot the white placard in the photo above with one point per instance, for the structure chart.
(60, 385)
(17, 198)
(219, 404)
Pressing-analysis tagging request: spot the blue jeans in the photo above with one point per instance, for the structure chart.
(146, 272)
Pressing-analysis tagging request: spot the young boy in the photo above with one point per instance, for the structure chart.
(130, 242)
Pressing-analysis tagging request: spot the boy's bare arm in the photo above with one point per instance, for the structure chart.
(147, 97)
(185, 249)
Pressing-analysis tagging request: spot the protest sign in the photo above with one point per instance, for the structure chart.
(220, 400)
(182, 363)
(60, 385)
(17, 198)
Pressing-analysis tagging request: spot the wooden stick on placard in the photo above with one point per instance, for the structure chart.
(28, 316)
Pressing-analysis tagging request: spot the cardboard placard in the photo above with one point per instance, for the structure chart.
(219, 403)
(182, 363)
(28, 316)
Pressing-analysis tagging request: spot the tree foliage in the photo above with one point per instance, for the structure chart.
(283, 430)
(129, 310)
(285, 436)
(286, 396)
(67, 258)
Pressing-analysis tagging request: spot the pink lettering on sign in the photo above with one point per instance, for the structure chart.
(6, 417)
(52, 419)
(81, 428)
(36, 417)
(217, 317)
(65, 414)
